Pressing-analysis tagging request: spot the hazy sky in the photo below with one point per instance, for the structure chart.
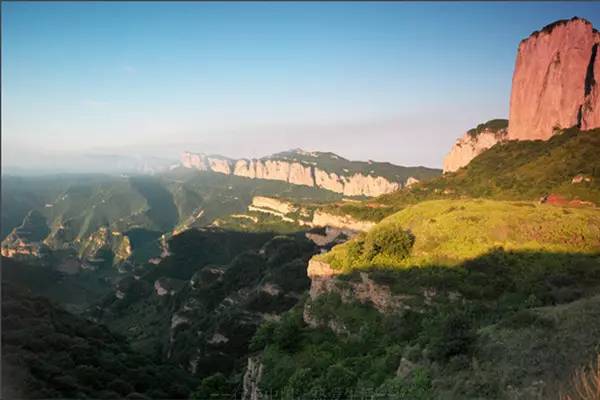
(384, 81)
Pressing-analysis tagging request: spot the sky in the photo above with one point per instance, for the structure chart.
(385, 81)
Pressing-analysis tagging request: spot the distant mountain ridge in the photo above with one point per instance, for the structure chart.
(316, 169)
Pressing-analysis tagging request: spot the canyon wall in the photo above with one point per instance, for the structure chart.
(555, 81)
(293, 172)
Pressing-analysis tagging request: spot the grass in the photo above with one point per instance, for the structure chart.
(495, 295)
(448, 232)
(516, 170)
(512, 333)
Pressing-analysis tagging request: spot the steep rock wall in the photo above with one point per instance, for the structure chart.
(554, 83)
(292, 172)
(470, 146)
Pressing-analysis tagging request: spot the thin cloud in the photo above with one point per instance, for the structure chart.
(129, 69)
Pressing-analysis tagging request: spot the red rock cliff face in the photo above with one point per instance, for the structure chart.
(555, 82)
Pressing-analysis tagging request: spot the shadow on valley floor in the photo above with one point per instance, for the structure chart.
(505, 325)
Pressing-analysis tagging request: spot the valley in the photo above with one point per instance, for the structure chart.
(305, 275)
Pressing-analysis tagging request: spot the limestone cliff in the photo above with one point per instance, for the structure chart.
(474, 142)
(555, 81)
(323, 170)
(270, 203)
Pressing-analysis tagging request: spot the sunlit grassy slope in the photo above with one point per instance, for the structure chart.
(448, 232)
(517, 170)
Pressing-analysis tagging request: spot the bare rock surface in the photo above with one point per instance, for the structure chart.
(294, 172)
(555, 81)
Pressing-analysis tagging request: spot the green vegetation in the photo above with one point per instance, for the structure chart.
(255, 221)
(73, 292)
(500, 325)
(447, 232)
(193, 249)
(516, 170)
(229, 283)
(483, 298)
(49, 353)
(493, 125)
(467, 288)
(74, 211)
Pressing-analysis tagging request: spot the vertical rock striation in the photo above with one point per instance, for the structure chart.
(555, 86)
(294, 172)
(555, 79)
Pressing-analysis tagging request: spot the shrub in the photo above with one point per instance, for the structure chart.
(449, 335)
(389, 240)
(213, 385)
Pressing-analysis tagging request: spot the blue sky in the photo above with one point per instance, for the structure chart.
(385, 81)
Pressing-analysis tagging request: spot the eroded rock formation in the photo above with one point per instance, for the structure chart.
(294, 172)
(321, 218)
(555, 86)
(252, 378)
(555, 81)
(470, 145)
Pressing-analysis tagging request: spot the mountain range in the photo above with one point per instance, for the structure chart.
(306, 275)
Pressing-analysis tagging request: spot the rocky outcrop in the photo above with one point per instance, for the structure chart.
(26, 239)
(294, 172)
(328, 236)
(320, 274)
(555, 81)
(252, 377)
(323, 281)
(167, 286)
(20, 248)
(281, 206)
(362, 288)
(322, 218)
(581, 179)
(470, 145)
(105, 239)
(411, 181)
